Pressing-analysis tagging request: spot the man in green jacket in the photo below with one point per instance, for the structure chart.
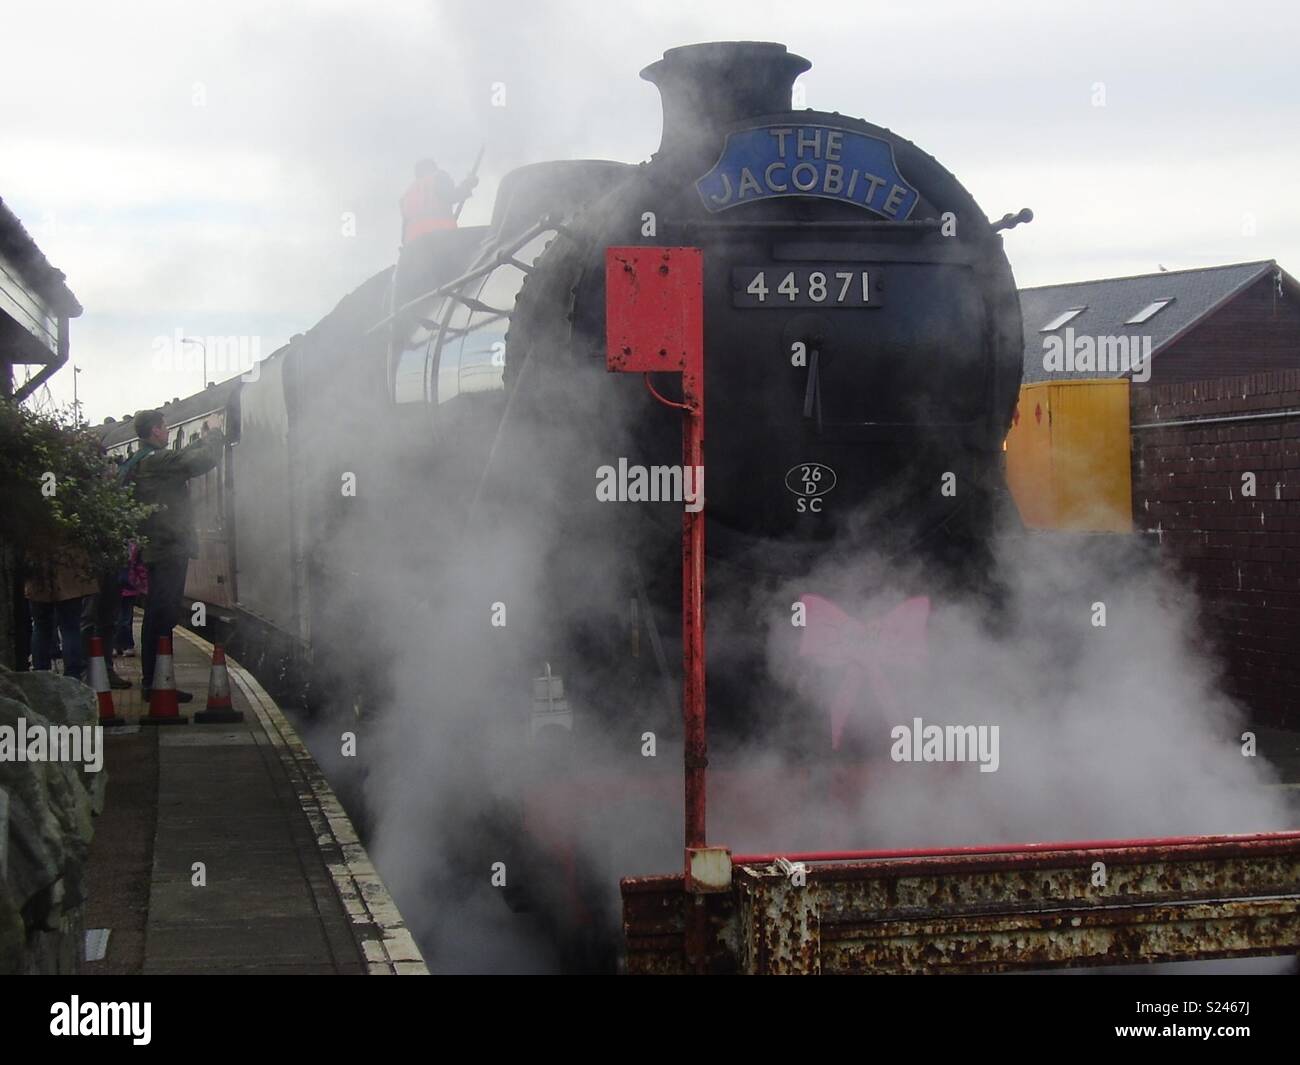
(160, 476)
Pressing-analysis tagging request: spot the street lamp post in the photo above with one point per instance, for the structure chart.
(204, 349)
(76, 403)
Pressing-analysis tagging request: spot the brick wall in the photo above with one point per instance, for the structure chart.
(1242, 552)
(1257, 331)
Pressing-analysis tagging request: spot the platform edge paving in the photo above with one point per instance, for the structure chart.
(377, 924)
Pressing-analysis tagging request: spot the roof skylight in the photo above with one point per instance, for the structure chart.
(1062, 318)
(1149, 311)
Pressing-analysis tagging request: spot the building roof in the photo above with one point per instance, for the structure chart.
(349, 319)
(17, 246)
(1110, 302)
(179, 410)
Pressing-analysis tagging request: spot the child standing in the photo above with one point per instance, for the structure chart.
(135, 583)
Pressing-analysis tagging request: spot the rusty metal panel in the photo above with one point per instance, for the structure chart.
(780, 925)
(1066, 938)
(1114, 904)
(1110, 905)
(656, 910)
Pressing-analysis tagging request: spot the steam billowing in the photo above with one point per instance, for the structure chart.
(1082, 653)
(1106, 731)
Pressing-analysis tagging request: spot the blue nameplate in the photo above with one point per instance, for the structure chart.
(821, 161)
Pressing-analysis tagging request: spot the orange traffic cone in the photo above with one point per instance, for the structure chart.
(220, 709)
(163, 706)
(99, 684)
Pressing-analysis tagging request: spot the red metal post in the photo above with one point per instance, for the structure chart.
(654, 312)
(693, 695)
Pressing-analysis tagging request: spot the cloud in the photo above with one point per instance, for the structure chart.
(193, 167)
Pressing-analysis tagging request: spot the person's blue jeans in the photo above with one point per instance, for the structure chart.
(67, 616)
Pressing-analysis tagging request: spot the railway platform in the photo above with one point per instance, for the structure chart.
(222, 849)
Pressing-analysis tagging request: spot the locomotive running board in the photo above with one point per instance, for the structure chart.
(978, 909)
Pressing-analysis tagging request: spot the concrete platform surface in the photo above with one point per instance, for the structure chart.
(255, 866)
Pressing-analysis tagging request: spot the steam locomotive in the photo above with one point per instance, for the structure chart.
(863, 349)
(859, 306)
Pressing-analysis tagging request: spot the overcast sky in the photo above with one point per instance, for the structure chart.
(189, 166)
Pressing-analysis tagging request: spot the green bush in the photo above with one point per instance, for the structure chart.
(61, 495)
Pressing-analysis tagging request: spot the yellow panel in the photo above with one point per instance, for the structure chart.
(1029, 458)
(1090, 455)
(1068, 456)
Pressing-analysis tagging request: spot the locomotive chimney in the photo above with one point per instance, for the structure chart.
(707, 86)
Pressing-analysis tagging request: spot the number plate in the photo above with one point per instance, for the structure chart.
(835, 285)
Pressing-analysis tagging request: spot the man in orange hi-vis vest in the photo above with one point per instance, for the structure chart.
(430, 203)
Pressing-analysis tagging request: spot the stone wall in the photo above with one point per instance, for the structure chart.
(45, 827)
